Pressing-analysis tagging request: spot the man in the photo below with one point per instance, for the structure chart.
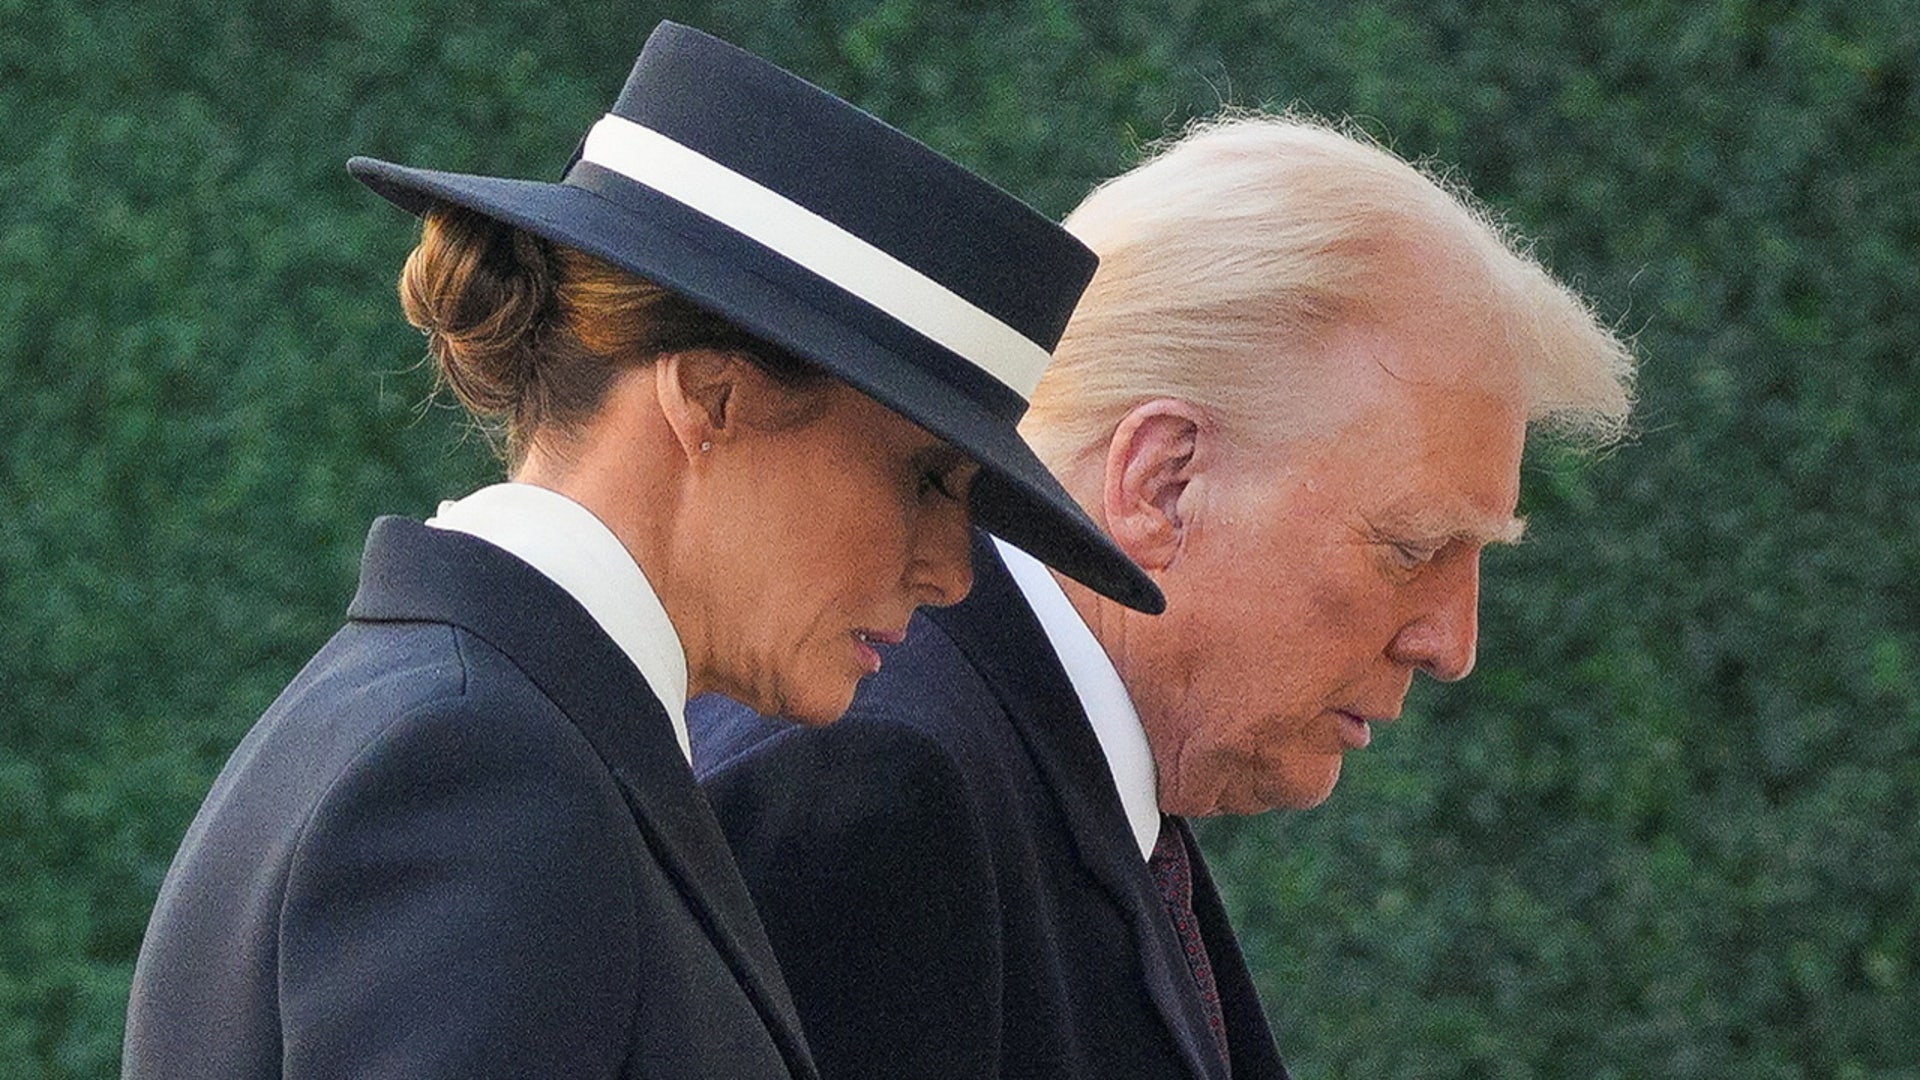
(1297, 393)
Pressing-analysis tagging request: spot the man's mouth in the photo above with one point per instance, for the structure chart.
(1355, 731)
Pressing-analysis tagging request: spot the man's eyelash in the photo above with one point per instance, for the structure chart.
(1413, 555)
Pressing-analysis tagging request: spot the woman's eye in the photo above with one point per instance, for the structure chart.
(935, 480)
(946, 474)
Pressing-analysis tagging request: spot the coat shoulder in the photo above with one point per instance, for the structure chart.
(393, 840)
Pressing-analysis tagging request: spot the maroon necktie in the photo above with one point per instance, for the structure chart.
(1173, 872)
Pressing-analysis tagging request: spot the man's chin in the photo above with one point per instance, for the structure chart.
(1303, 788)
(1290, 797)
(1300, 783)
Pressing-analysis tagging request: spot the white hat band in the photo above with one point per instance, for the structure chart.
(685, 175)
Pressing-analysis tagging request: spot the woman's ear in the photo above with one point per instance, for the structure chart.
(697, 390)
(1155, 454)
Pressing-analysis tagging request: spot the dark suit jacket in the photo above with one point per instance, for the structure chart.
(949, 879)
(463, 843)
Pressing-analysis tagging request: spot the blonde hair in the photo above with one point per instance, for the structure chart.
(1225, 253)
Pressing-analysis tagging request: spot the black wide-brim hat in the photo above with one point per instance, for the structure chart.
(820, 229)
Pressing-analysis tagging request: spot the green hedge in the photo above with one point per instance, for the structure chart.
(1667, 829)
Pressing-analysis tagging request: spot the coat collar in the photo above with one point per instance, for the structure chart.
(996, 630)
(1103, 696)
(415, 573)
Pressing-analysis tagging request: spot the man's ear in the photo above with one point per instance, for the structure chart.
(696, 388)
(1153, 457)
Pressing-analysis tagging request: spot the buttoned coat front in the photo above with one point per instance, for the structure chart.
(462, 843)
(948, 877)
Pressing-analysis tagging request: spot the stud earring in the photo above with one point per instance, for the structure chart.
(705, 446)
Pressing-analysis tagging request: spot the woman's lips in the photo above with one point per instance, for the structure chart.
(864, 641)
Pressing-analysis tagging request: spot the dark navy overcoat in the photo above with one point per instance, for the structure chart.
(949, 879)
(462, 843)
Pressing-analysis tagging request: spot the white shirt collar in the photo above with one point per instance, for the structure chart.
(565, 542)
(1109, 708)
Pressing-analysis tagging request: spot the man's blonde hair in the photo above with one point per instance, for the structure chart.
(1228, 251)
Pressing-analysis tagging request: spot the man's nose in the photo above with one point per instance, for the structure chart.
(1444, 633)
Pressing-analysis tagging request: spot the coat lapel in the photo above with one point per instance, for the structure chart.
(414, 572)
(997, 630)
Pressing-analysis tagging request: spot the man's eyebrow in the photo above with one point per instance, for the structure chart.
(1450, 527)
(1508, 531)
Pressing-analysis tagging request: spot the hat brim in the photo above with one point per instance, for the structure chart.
(654, 237)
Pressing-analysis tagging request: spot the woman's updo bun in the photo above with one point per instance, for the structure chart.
(487, 296)
(529, 335)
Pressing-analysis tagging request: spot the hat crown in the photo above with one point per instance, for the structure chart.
(862, 174)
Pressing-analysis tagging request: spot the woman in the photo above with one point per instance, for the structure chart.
(756, 359)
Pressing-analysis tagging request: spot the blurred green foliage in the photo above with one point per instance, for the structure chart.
(1668, 827)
